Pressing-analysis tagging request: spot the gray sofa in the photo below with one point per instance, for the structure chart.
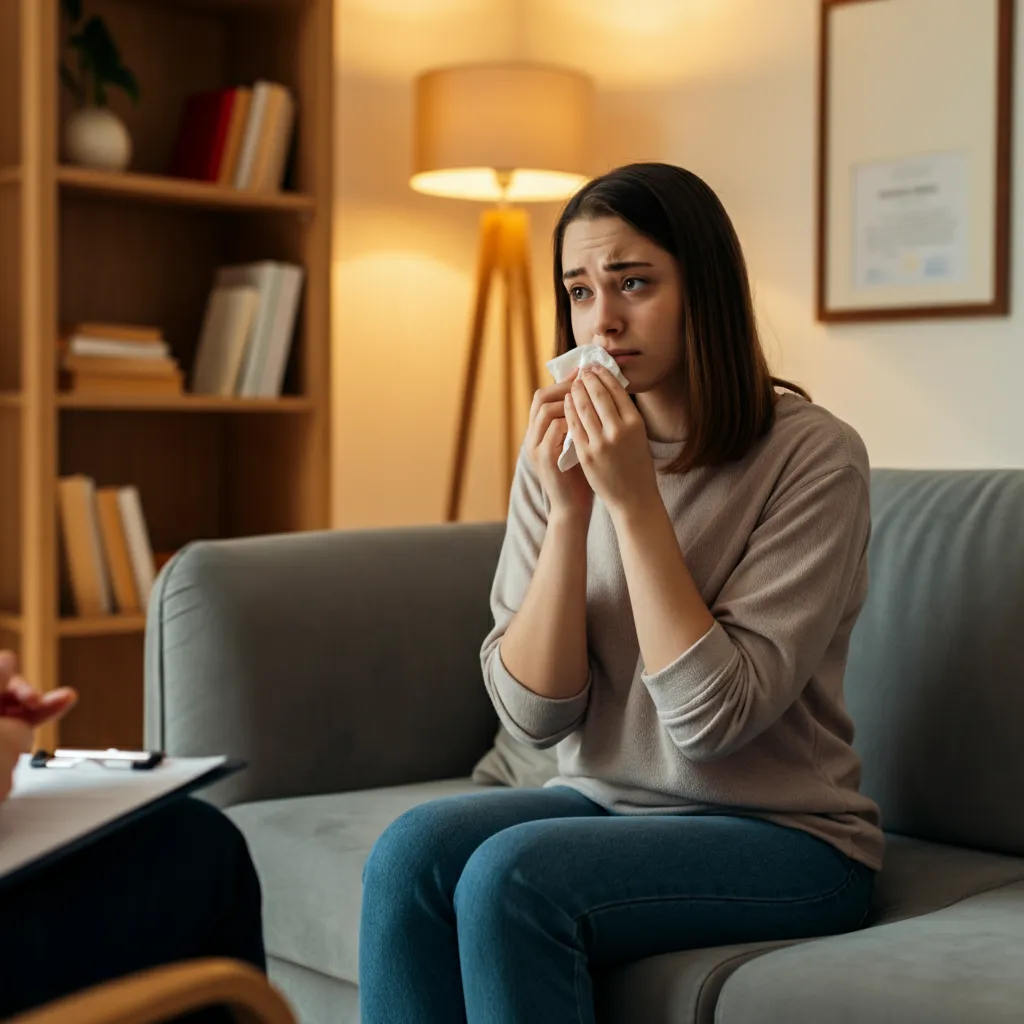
(343, 666)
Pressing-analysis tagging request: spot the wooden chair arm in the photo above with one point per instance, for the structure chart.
(165, 992)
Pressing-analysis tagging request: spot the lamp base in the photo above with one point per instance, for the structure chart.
(503, 251)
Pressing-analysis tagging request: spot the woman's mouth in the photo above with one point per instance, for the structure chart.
(624, 357)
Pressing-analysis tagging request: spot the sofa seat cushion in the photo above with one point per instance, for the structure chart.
(919, 877)
(309, 853)
(951, 966)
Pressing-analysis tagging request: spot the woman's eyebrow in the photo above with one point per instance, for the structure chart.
(609, 268)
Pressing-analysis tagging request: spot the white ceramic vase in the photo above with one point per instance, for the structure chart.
(96, 137)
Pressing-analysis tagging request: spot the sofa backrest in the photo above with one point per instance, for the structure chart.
(935, 677)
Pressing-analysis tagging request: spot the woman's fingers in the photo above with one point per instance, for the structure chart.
(539, 424)
(579, 432)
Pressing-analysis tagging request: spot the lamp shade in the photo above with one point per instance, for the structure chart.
(514, 131)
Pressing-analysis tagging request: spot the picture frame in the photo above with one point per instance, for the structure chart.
(914, 174)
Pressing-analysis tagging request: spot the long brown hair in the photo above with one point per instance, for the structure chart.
(728, 387)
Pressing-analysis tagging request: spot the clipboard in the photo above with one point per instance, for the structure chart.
(53, 812)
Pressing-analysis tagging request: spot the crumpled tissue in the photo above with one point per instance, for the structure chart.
(561, 366)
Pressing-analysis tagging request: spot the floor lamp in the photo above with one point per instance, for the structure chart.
(505, 134)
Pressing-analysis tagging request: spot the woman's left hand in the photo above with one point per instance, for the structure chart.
(611, 441)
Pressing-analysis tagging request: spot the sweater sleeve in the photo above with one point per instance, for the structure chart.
(529, 717)
(804, 570)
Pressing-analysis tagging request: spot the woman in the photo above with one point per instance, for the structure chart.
(674, 612)
(175, 885)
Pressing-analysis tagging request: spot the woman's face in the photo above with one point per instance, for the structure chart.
(625, 294)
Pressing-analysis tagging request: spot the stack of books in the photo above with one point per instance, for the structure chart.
(117, 359)
(108, 558)
(239, 137)
(247, 329)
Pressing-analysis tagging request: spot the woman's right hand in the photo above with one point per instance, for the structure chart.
(568, 493)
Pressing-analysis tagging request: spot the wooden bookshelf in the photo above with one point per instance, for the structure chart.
(142, 247)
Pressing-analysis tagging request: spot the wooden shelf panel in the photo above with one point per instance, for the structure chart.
(84, 625)
(185, 403)
(241, 6)
(102, 625)
(157, 188)
(10, 623)
(10, 400)
(10, 176)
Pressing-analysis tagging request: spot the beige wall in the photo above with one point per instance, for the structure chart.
(724, 87)
(921, 394)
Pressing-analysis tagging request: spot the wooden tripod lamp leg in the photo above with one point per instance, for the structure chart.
(490, 238)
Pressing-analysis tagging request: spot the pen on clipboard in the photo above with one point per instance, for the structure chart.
(68, 757)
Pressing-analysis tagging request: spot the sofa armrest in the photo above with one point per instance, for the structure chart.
(328, 660)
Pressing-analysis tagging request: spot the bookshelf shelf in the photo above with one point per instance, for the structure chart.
(102, 625)
(157, 188)
(144, 248)
(10, 623)
(186, 403)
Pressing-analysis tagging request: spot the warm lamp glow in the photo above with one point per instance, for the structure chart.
(485, 185)
(503, 131)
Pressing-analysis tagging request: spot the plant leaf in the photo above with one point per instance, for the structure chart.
(123, 78)
(101, 48)
(70, 82)
(72, 8)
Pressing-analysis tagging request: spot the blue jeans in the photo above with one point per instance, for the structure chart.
(494, 908)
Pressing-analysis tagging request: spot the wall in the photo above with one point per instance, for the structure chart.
(724, 87)
(740, 109)
(403, 272)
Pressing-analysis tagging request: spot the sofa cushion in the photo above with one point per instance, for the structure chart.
(309, 854)
(958, 964)
(935, 676)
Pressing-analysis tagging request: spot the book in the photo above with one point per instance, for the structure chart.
(82, 545)
(227, 323)
(119, 332)
(85, 345)
(140, 549)
(282, 330)
(264, 276)
(139, 385)
(115, 548)
(236, 131)
(202, 133)
(261, 92)
(113, 366)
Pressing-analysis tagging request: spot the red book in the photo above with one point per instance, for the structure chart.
(202, 133)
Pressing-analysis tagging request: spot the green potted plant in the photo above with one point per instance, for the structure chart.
(94, 136)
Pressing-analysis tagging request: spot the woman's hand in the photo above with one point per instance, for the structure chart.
(611, 441)
(569, 493)
(22, 709)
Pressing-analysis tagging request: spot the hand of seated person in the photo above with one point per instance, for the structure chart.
(22, 709)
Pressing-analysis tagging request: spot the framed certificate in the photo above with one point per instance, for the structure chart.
(914, 158)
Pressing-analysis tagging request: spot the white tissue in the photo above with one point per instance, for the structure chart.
(561, 366)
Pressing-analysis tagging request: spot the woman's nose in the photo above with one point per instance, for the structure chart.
(607, 317)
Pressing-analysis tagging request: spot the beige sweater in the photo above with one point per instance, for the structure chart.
(751, 719)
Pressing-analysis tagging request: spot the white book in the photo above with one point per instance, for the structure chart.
(140, 550)
(264, 275)
(89, 345)
(222, 339)
(251, 137)
(282, 330)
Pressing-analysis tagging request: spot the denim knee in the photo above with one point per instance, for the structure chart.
(409, 848)
(504, 874)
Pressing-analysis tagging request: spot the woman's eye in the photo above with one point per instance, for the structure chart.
(633, 284)
(578, 293)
